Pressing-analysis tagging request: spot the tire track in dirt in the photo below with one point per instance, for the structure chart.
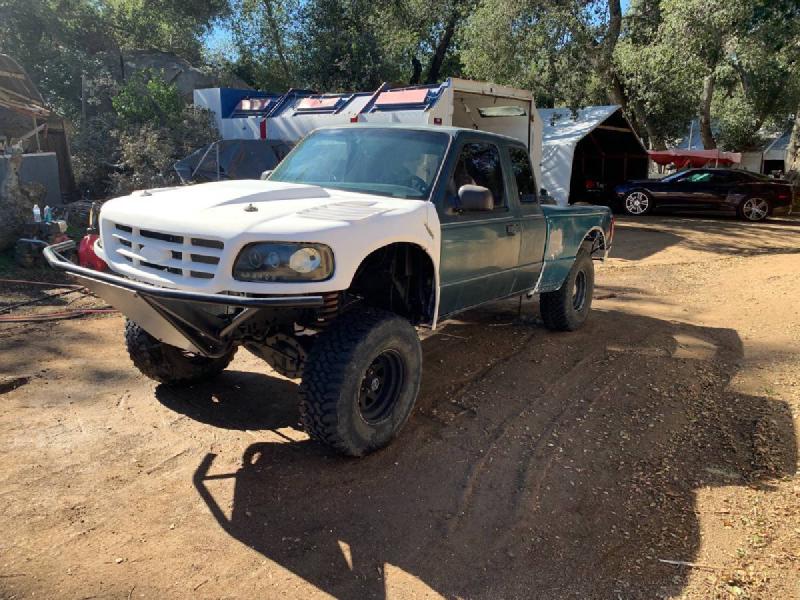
(563, 385)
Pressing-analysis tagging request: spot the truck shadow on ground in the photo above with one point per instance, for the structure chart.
(236, 400)
(536, 465)
(642, 237)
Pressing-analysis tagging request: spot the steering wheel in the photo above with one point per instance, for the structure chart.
(418, 184)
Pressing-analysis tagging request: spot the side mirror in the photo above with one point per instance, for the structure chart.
(543, 192)
(474, 198)
(265, 175)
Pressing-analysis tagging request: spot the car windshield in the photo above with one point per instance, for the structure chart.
(401, 163)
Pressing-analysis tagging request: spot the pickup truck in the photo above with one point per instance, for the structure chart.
(326, 268)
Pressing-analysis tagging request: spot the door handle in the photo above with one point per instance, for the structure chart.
(512, 228)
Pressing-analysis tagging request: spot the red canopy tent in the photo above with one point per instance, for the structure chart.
(694, 158)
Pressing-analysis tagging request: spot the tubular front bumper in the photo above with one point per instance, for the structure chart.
(174, 316)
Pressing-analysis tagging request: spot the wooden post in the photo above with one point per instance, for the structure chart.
(36, 132)
(83, 99)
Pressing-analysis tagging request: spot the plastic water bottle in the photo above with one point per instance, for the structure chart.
(37, 214)
(48, 214)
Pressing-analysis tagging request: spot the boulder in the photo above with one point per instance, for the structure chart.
(178, 70)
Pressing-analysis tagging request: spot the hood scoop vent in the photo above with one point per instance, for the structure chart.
(344, 211)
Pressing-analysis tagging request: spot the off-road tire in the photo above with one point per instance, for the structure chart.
(331, 392)
(559, 309)
(168, 364)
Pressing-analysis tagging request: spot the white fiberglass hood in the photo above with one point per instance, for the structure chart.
(230, 208)
(237, 213)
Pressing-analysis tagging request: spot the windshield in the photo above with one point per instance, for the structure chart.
(389, 162)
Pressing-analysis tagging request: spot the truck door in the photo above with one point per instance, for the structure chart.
(480, 250)
(534, 226)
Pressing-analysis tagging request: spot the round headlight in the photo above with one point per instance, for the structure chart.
(255, 258)
(305, 260)
(274, 260)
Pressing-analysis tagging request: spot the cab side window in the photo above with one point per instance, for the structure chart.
(699, 177)
(479, 164)
(523, 175)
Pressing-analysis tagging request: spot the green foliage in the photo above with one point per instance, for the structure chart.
(147, 98)
(95, 154)
(340, 50)
(531, 45)
(147, 150)
(333, 45)
(657, 61)
(135, 145)
(738, 123)
(657, 73)
(573, 53)
(174, 26)
(742, 45)
(58, 41)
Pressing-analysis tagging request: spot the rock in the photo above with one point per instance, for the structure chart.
(179, 71)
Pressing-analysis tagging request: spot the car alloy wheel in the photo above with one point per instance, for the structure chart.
(637, 203)
(755, 209)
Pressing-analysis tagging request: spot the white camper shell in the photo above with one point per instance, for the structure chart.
(248, 114)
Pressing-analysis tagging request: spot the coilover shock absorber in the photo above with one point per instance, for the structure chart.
(329, 309)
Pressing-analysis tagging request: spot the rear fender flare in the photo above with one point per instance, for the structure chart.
(557, 264)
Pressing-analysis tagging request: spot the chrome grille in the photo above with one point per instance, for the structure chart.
(159, 251)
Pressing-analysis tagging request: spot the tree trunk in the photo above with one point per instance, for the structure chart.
(793, 151)
(704, 112)
(435, 66)
(654, 141)
(416, 71)
(275, 32)
(635, 113)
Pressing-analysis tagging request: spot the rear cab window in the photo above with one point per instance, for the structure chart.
(523, 175)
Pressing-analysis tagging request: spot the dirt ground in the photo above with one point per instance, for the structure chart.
(594, 464)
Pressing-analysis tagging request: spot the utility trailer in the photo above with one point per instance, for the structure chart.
(250, 114)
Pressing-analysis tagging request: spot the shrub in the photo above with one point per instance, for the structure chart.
(146, 98)
(135, 145)
(148, 151)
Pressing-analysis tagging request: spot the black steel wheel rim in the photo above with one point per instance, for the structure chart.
(381, 386)
(579, 291)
